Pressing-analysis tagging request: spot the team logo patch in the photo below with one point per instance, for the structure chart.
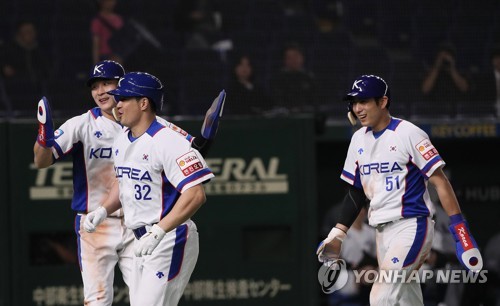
(426, 148)
(178, 130)
(189, 163)
(58, 133)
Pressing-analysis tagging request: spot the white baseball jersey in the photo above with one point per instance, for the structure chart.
(153, 170)
(89, 138)
(392, 167)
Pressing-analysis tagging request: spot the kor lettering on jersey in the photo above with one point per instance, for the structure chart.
(133, 174)
(385, 167)
(100, 153)
(246, 176)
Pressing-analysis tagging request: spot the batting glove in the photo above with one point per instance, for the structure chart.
(467, 250)
(329, 249)
(45, 124)
(212, 117)
(94, 218)
(149, 241)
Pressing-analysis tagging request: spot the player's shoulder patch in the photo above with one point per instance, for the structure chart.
(189, 163)
(58, 133)
(426, 149)
(177, 129)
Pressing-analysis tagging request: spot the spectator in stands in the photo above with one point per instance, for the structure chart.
(444, 86)
(487, 86)
(25, 66)
(247, 95)
(199, 21)
(293, 87)
(100, 27)
(327, 14)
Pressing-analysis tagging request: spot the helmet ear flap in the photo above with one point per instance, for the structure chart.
(352, 118)
(350, 114)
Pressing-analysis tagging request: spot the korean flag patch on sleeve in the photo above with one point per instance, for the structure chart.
(189, 163)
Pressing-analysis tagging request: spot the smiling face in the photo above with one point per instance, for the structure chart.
(99, 91)
(372, 113)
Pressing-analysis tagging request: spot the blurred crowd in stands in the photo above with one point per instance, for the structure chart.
(273, 57)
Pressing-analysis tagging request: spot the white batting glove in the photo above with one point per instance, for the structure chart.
(94, 218)
(149, 241)
(329, 249)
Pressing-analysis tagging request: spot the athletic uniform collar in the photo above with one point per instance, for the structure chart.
(393, 124)
(154, 128)
(96, 112)
(151, 131)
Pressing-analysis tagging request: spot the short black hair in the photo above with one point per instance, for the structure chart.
(449, 47)
(293, 46)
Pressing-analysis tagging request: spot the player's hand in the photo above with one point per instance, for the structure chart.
(329, 249)
(467, 250)
(45, 136)
(149, 241)
(94, 218)
(212, 117)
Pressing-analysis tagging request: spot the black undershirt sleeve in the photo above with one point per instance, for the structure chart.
(202, 145)
(353, 201)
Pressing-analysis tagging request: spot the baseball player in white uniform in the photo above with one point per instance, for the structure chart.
(89, 138)
(389, 163)
(159, 188)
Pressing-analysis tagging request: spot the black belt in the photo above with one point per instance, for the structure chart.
(380, 226)
(140, 231)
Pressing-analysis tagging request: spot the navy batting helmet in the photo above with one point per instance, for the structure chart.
(105, 70)
(139, 84)
(368, 86)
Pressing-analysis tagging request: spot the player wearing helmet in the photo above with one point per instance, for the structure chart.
(88, 138)
(159, 187)
(388, 165)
